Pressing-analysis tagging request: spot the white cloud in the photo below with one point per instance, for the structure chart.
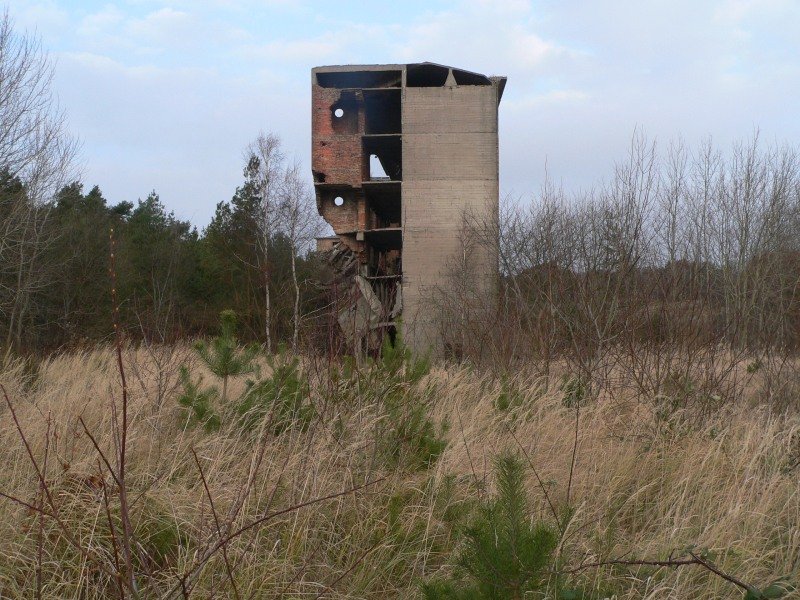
(165, 31)
(317, 49)
(509, 6)
(99, 23)
(216, 5)
(739, 10)
(531, 49)
(45, 18)
(162, 26)
(483, 36)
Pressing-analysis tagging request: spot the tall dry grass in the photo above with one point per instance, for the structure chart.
(645, 484)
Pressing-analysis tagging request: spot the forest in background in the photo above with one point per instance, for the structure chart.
(172, 280)
(682, 247)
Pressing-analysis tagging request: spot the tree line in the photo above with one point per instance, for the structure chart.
(173, 280)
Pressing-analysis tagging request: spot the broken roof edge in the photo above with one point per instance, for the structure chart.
(498, 81)
(392, 67)
(386, 67)
(349, 68)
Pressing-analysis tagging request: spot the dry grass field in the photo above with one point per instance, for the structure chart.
(325, 510)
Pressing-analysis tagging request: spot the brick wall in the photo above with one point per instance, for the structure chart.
(348, 217)
(336, 147)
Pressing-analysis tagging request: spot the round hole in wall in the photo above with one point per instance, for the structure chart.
(338, 113)
(338, 201)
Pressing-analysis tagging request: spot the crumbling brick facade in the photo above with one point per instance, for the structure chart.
(400, 154)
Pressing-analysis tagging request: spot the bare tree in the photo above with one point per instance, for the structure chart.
(265, 169)
(36, 158)
(671, 275)
(286, 208)
(301, 223)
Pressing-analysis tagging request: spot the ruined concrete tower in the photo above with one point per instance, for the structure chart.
(401, 155)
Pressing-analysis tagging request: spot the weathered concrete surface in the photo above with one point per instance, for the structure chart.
(443, 161)
(451, 170)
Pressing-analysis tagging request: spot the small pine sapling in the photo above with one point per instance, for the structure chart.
(505, 555)
(283, 394)
(222, 355)
(199, 401)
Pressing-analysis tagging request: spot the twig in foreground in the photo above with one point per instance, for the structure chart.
(674, 563)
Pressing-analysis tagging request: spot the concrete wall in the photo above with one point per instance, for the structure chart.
(450, 168)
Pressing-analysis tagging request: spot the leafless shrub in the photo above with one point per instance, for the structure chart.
(683, 267)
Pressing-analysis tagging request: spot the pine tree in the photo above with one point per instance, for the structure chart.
(222, 355)
(504, 555)
(200, 401)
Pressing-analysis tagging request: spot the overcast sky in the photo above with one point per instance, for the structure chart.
(165, 94)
